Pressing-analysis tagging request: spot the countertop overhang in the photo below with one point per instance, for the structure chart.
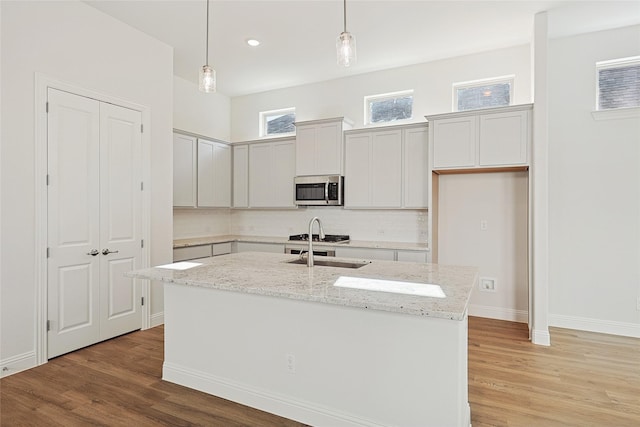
(271, 274)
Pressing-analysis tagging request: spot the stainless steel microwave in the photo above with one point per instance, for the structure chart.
(319, 190)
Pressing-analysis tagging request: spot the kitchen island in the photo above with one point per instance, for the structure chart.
(256, 329)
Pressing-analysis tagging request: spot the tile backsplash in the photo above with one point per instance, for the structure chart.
(379, 225)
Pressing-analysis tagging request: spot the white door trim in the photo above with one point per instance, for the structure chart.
(42, 83)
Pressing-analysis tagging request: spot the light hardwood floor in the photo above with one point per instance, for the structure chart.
(583, 379)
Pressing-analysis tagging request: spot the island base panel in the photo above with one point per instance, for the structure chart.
(316, 363)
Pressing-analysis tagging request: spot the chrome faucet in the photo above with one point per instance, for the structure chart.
(321, 235)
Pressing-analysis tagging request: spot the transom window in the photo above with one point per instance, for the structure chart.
(278, 122)
(486, 93)
(388, 107)
(618, 83)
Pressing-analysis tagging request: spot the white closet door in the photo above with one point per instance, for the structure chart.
(73, 221)
(120, 219)
(94, 218)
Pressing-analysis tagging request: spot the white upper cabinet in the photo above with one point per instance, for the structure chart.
(415, 167)
(496, 137)
(214, 174)
(240, 176)
(271, 172)
(319, 146)
(201, 172)
(184, 170)
(387, 167)
(454, 142)
(504, 138)
(373, 169)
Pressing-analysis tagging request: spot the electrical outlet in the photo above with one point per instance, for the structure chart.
(484, 225)
(291, 363)
(487, 284)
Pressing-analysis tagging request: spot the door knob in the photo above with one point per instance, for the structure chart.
(107, 252)
(93, 252)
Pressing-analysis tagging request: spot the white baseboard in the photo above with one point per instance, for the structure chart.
(541, 337)
(264, 400)
(156, 319)
(521, 316)
(15, 364)
(595, 325)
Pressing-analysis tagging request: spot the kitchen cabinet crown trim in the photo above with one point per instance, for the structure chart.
(265, 140)
(320, 121)
(382, 128)
(480, 111)
(196, 135)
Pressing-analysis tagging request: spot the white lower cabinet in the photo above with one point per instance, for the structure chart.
(366, 253)
(201, 251)
(412, 256)
(258, 247)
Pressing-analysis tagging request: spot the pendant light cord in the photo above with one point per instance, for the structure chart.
(207, 41)
(345, 15)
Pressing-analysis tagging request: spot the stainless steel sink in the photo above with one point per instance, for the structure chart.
(332, 263)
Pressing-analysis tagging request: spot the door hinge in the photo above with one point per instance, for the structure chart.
(46, 106)
(48, 179)
(141, 128)
(142, 186)
(48, 325)
(142, 301)
(142, 243)
(48, 252)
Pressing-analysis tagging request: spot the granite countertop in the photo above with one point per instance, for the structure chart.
(271, 274)
(195, 241)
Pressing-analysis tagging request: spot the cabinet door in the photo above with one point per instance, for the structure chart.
(504, 138)
(283, 169)
(386, 169)
(214, 174)
(184, 172)
(241, 176)
(416, 168)
(305, 150)
(329, 149)
(366, 253)
(454, 142)
(260, 165)
(357, 171)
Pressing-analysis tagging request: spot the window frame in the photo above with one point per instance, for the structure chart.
(482, 82)
(607, 65)
(262, 122)
(368, 99)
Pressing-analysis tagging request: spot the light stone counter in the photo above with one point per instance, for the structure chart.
(272, 275)
(371, 244)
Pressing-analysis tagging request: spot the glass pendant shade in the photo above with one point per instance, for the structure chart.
(346, 49)
(207, 79)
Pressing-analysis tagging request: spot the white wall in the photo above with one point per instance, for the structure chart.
(500, 251)
(74, 43)
(594, 191)
(380, 225)
(431, 83)
(206, 114)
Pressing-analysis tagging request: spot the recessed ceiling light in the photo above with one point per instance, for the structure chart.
(253, 42)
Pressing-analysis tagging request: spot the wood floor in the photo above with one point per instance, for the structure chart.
(583, 379)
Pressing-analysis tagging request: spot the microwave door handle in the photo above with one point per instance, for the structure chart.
(326, 192)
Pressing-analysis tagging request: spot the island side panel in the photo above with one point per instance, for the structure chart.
(317, 363)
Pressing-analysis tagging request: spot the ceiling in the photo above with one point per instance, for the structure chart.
(298, 36)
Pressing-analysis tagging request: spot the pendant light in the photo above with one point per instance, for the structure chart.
(207, 77)
(346, 44)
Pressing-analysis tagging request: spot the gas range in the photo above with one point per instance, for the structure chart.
(328, 238)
